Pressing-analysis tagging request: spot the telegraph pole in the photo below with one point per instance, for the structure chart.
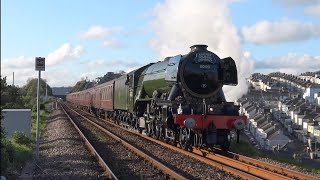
(40, 66)
(46, 90)
(13, 79)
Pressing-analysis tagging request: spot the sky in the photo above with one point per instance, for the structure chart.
(87, 39)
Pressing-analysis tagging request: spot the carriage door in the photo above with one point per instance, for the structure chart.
(129, 92)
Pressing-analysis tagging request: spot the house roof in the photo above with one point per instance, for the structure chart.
(244, 101)
(271, 131)
(260, 121)
(250, 108)
(246, 105)
(263, 124)
(267, 126)
(317, 118)
(313, 85)
(257, 116)
(310, 115)
(293, 101)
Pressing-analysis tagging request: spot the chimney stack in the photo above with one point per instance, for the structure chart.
(198, 47)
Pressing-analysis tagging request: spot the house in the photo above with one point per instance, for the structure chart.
(252, 122)
(308, 120)
(285, 106)
(270, 132)
(308, 95)
(250, 110)
(317, 99)
(261, 134)
(313, 77)
(276, 138)
(316, 133)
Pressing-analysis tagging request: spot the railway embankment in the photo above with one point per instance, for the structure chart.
(62, 154)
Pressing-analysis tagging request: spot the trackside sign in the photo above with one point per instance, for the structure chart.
(40, 64)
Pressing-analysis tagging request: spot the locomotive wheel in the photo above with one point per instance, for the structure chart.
(148, 130)
(157, 132)
(185, 138)
(224, 140)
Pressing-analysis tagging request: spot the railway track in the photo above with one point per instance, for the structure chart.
(106, 170)
(249, 161)
(124, 160)
(235, 164)
(191, 168)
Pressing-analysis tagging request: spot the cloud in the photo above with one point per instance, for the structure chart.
(65, 52)
(311, 7)
(113, 44)
(18, 62)
(24, 67)
(113, 63)
(266, 32)
(60, 77)
(313, 10)
(98, 32)
(292, 63)
(90, 75)
(179, 24)
(289, 3)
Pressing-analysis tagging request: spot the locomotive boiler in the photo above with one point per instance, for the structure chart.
(179, 100)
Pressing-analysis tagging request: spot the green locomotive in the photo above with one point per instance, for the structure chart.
(179, 100)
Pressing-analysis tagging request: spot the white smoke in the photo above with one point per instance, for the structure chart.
(179, 24)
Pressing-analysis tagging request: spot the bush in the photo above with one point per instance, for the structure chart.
(20, 138)
(7, 155)
(243, 147)
(42, 107)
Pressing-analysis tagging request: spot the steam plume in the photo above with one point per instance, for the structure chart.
(179, 24)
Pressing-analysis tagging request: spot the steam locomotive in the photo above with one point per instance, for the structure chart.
(179, 100)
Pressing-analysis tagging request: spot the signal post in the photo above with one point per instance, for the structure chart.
(39, 66)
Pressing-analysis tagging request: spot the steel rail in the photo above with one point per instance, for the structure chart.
(106, 170)
(218, 165)
(238, 168)
(284, 171)
(152, 161)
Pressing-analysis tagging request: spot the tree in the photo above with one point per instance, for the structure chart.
(110, 76)
(79, 86)
(30, 89)
(10, 95)
(10, 98)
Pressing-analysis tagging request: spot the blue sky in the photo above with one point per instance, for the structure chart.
(90, 38)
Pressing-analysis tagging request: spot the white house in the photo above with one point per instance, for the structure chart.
(310, 91)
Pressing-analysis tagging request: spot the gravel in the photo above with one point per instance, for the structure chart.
(123, 163)
(289, 166)
(62, 153)
(185, 165)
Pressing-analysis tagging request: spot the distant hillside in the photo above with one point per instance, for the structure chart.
(82, 85)
(61, 90)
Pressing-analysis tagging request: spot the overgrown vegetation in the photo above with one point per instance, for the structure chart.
(17, 150)
(86, 84)
(109, 76)
(244, 148)
(79, 86)
(30, 89)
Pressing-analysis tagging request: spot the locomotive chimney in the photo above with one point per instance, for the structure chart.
(198, 47)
